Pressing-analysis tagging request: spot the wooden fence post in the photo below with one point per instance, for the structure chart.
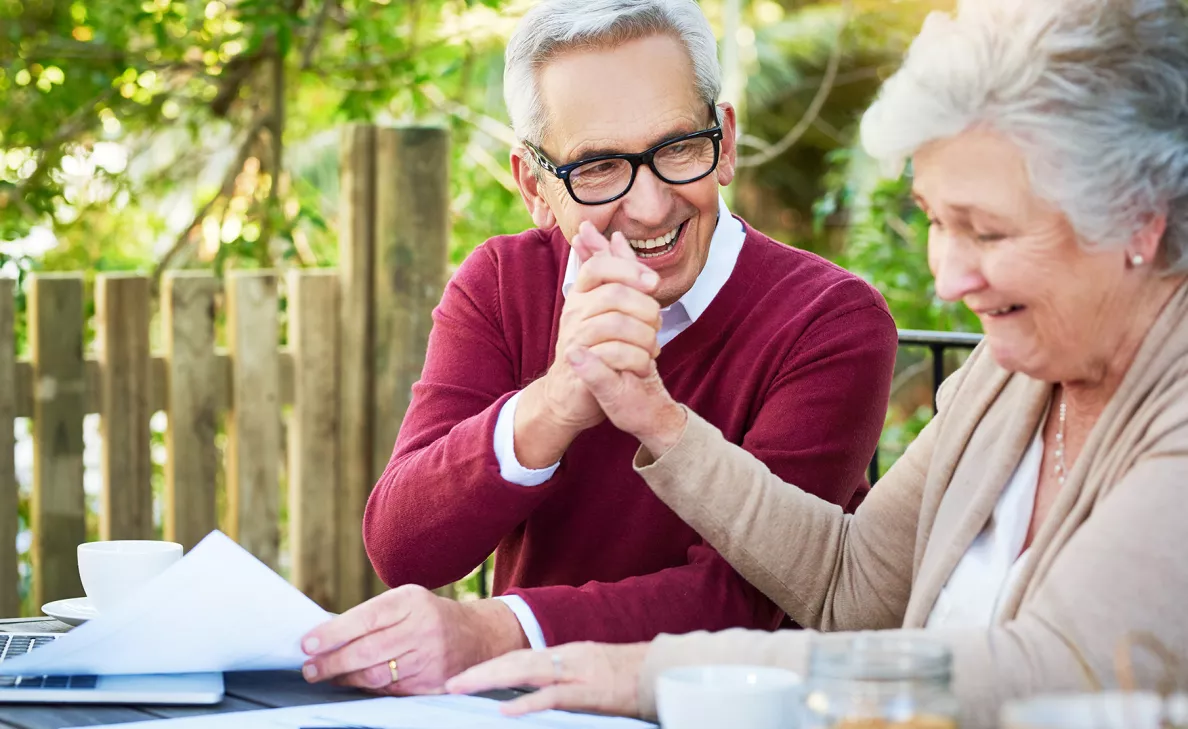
(313, 435)
(356, 283)
(122, 325)
(10, 603)
(412, 248)
(59, 404)
(193, 384)
(253, 428)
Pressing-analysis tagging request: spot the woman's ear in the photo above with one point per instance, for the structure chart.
(529, 182)
(1147, 244)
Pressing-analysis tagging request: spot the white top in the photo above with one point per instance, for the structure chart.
(988, 571)
(725, 246)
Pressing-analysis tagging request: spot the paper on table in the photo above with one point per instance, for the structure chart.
(218, 608)
(421, 712)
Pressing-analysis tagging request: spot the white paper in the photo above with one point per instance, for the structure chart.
(420, 712)
(218, 608)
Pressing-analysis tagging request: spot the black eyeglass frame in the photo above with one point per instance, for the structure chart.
(647, 157)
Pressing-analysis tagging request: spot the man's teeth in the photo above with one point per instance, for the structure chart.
(1004, 310)
(647, 245)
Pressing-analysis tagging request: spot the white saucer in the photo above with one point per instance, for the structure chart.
(75, 611)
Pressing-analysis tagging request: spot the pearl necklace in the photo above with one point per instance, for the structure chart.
(1061, 468)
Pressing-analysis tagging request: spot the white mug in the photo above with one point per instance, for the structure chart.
(113, 571)
(739, 697)
(1107, 710)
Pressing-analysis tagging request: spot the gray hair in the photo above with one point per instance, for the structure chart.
(1094, 92)
(555, 26)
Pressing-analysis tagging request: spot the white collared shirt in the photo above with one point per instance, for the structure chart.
(725, 246)
(989, 569)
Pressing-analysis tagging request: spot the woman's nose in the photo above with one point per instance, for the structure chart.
(955, 267)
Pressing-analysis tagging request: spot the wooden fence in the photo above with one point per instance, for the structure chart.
(356, 339)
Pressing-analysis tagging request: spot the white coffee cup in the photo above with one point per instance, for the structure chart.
(113, 571)
(1107, 710)
(739, 697)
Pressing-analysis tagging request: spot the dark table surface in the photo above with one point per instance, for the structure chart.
(244, 692)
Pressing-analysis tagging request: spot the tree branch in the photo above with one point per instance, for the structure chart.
(901, 228)
(490, 126)
(349, 68)
(810, 115)
(236, 72)
(487, 161)
(225, 188)
(276, 128)
(315, 36)
(74, 50)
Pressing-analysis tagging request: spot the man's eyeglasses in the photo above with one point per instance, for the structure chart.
(608, 177)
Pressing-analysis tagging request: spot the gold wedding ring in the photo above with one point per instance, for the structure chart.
(392, 670)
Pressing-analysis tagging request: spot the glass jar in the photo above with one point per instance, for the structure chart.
(873, 681)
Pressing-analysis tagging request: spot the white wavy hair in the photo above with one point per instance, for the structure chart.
(1094, 92)
(556, 26)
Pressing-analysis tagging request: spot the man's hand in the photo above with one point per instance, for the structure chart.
(632, 396)
(430, 638)
(639, 406)
(609, 311)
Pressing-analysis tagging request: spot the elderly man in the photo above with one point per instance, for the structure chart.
(504, 450)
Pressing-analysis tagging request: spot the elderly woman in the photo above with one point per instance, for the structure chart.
(1038, 518)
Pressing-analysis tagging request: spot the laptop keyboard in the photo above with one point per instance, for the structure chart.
(15, 645)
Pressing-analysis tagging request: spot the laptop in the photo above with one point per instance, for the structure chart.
(181, 688)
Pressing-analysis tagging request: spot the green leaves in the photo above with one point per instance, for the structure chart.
(171, 81)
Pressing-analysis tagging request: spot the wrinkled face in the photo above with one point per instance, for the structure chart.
(626, 99)
(1050, 308)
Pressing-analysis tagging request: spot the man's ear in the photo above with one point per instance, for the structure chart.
(530, 192)
(728, 159)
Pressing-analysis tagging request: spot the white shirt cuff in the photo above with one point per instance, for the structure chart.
(505, 452)
(528, 622)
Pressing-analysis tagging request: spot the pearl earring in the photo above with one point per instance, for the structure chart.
(1137, 260)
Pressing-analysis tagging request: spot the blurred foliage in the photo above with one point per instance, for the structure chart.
(786, 68)
(153, 134)
(150, 133)
(886, 242)
(181, 130)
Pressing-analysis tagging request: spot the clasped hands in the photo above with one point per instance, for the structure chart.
(605, 365)
(410, 641)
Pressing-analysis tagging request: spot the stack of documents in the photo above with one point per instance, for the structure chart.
(422, 712)
(216, 609)
(220, 609)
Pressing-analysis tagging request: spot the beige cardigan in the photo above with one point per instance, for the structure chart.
(1109, 558)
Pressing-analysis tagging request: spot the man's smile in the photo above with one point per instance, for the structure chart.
(657, 246)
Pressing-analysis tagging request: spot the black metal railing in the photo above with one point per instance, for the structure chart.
(937, 344)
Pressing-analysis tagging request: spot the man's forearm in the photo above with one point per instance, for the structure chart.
(540, 440)
(471, 511)
(706, 594)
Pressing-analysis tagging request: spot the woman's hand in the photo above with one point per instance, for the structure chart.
(580, 676)
(637, 405)
(634, 399)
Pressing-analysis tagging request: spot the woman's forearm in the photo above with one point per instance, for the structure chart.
(825, 569)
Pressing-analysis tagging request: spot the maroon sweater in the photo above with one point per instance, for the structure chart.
(792, 360)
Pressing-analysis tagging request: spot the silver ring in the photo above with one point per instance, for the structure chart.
(556, 658)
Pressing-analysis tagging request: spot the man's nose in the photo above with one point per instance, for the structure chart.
(648, 200)
(957, 269)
